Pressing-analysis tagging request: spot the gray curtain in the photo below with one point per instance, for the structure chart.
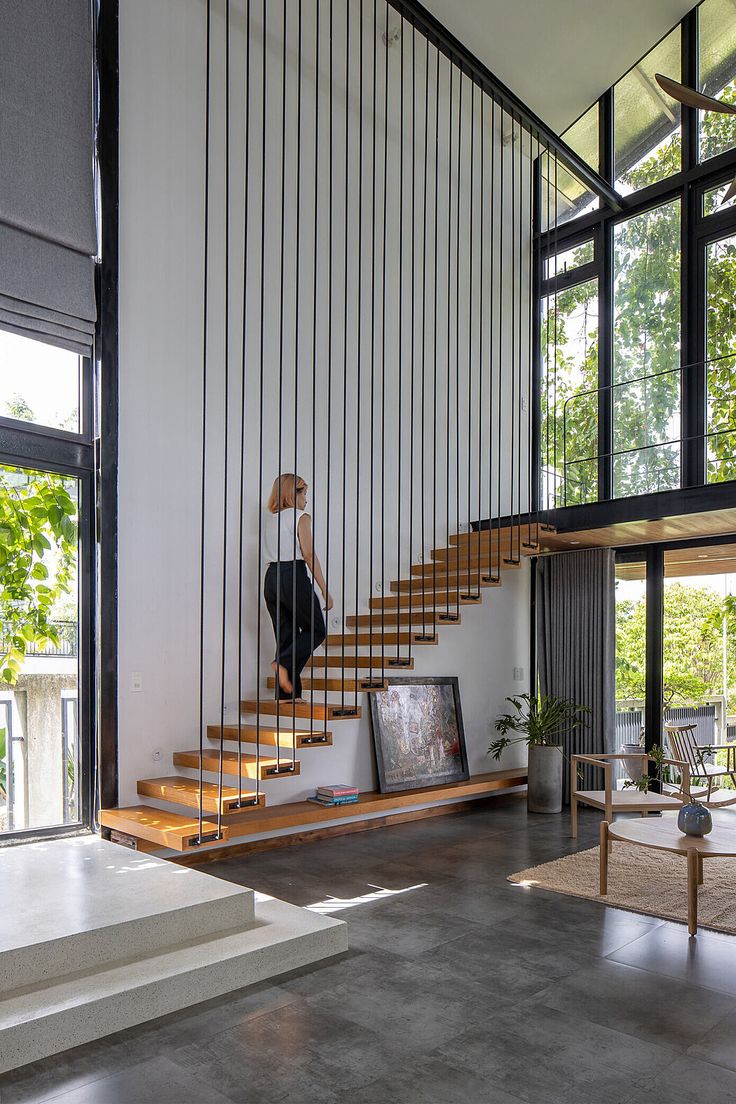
(48, 233)
(576, 642)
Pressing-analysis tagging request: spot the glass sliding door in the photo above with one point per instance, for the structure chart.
(39, 649)
(631, 658)
(47, 567)
(699, 641)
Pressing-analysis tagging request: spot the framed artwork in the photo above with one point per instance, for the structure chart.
(418, 734)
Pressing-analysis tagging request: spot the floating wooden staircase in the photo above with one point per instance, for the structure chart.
(410, 616)
(251, 734)
(251, 766)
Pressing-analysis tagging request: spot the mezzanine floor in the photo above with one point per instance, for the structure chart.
(458, 987)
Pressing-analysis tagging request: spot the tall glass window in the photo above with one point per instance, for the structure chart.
(646, 352)
(582, 137)
(569, 403)
(646, 122)
(40, 755)
(717, 74)
(39, 383)
(631, 661)
(720, 373)
(563, 195)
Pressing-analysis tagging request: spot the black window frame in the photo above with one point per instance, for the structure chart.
(697, 229)
(40, 448)
(92, 457)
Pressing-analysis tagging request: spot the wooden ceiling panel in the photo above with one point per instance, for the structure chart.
(714, 523)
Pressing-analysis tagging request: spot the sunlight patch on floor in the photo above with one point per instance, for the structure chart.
(339, 904)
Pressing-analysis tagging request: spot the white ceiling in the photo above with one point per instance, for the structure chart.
(558, 56)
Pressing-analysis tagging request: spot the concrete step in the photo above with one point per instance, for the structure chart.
(80, 904)
(67, 1012)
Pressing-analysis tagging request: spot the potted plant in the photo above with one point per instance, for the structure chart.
(541, 721)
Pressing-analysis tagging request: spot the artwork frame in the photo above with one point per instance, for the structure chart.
(416, 735)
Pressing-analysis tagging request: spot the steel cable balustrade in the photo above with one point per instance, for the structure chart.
(611, 388)
(489, 329)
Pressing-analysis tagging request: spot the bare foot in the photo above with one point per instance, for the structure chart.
(283, 674)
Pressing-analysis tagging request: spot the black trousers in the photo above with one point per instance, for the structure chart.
(298, 624)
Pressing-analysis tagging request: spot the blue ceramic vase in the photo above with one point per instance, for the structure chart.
(694, 820)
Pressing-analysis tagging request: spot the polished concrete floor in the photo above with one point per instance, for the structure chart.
(458, 987)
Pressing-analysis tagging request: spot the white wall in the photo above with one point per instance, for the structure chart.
(161, 325)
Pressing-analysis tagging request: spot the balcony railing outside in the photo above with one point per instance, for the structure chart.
(68, 645)
(575, 481)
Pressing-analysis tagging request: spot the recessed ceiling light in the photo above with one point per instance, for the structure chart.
(703, 556)
(574, 542)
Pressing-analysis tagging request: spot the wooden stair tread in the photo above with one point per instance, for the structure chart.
(179, 790)
(251, 734)
(507, 534)
(249, 764)
(462, 582)
(352, 662)
(365, 685)
(464, 565)
(316, 712)
(393, 617)
(485, 546)
(364, 640)
(436, 598)
(171, 830)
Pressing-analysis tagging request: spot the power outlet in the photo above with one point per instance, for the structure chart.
(157, 755)
(136, 682)
(518, 674)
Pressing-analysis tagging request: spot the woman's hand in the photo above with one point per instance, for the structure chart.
(328, 601)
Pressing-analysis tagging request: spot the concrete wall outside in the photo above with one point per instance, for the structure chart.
(38, 768)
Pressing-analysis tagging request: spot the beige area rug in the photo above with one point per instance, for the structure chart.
(643, 881)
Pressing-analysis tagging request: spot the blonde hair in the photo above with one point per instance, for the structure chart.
(284, 491)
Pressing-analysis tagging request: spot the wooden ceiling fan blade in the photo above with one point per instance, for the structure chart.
(690, 98)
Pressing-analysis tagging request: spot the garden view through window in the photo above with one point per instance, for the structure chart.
(698, 645)
(646, 352)
(569, 402)
(40, 757)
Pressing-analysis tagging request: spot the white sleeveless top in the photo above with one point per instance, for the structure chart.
(284, 521)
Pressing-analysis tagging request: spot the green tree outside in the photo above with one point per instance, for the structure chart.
(646, 341)
(693, 647)
(38, 556)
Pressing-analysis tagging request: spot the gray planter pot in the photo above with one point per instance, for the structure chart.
(544, 789)
(634, 768)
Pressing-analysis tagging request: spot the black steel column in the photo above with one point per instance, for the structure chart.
(107, 350)
(692, 286)
(655, 617)
(603, 248)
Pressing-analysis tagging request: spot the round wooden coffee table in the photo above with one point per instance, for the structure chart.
(664, 835)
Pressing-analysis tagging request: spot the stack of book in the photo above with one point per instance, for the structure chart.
(339, 794)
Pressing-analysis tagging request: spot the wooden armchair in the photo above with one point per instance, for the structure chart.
(610, 800)
(702, 774)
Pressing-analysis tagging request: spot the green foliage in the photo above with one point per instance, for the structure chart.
(657, 756)
(692, 659)
(38, 550)
(646, 341)
(17, 407)
(541, 720)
